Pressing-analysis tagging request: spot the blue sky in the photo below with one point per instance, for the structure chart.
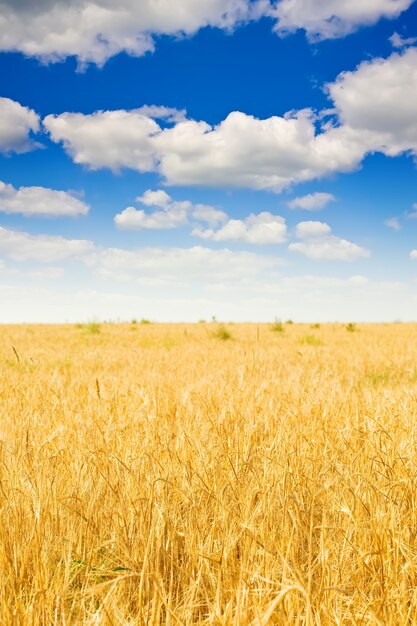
(243, 159)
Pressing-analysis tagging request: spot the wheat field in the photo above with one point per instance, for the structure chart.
(170, 474)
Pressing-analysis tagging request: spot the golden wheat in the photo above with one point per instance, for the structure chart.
(156, 474)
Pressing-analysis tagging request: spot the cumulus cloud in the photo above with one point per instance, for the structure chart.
(112, 139)
(241, 151)
(305, 230)
(312, 201)
(263, 229)
(167, 213)
(319, 243)
(95, 30)
(245, 151)
(377, 99)
(40, 201)
(332, 18)
(21, 246)
(208, 214)
(373, 111)
(158, 198)
(137, 219)
(16, 124)
(331, 249)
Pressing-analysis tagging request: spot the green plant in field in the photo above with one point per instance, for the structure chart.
(289, 322)
(351, 327)
(222, 333)
(97, 573)
(134, 321)
(92, 328)
(377, 378)
(311, 340)
(277, 326)
(145, 321)
(316, 325)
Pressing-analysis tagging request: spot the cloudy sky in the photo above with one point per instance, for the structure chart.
(244, 159)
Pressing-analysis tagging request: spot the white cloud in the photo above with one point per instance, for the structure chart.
(263, 229)
(331, 249)
(312, 201)
(175, 265)
(242, 151)
(413, 255)
(171, 268)
(137, 219)
(401, 42)
(318, 243)
(39, 201)
(328, 19)
(305, 230)
(167, 213)
(393, 223)
(158, 198)
(378, 99)
(373, 112)
(112, 139)
(16, 124)
(163, 113)
(208, 214)
(21, 246)
(95, 30)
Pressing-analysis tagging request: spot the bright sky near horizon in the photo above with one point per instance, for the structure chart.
(244, 159)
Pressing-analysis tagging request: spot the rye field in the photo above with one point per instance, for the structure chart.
(206, 474)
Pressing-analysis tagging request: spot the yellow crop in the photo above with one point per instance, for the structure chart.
(158, 474)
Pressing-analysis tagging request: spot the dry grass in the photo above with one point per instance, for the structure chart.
(167, 477)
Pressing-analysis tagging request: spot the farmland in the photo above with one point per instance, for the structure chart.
(173, 474)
